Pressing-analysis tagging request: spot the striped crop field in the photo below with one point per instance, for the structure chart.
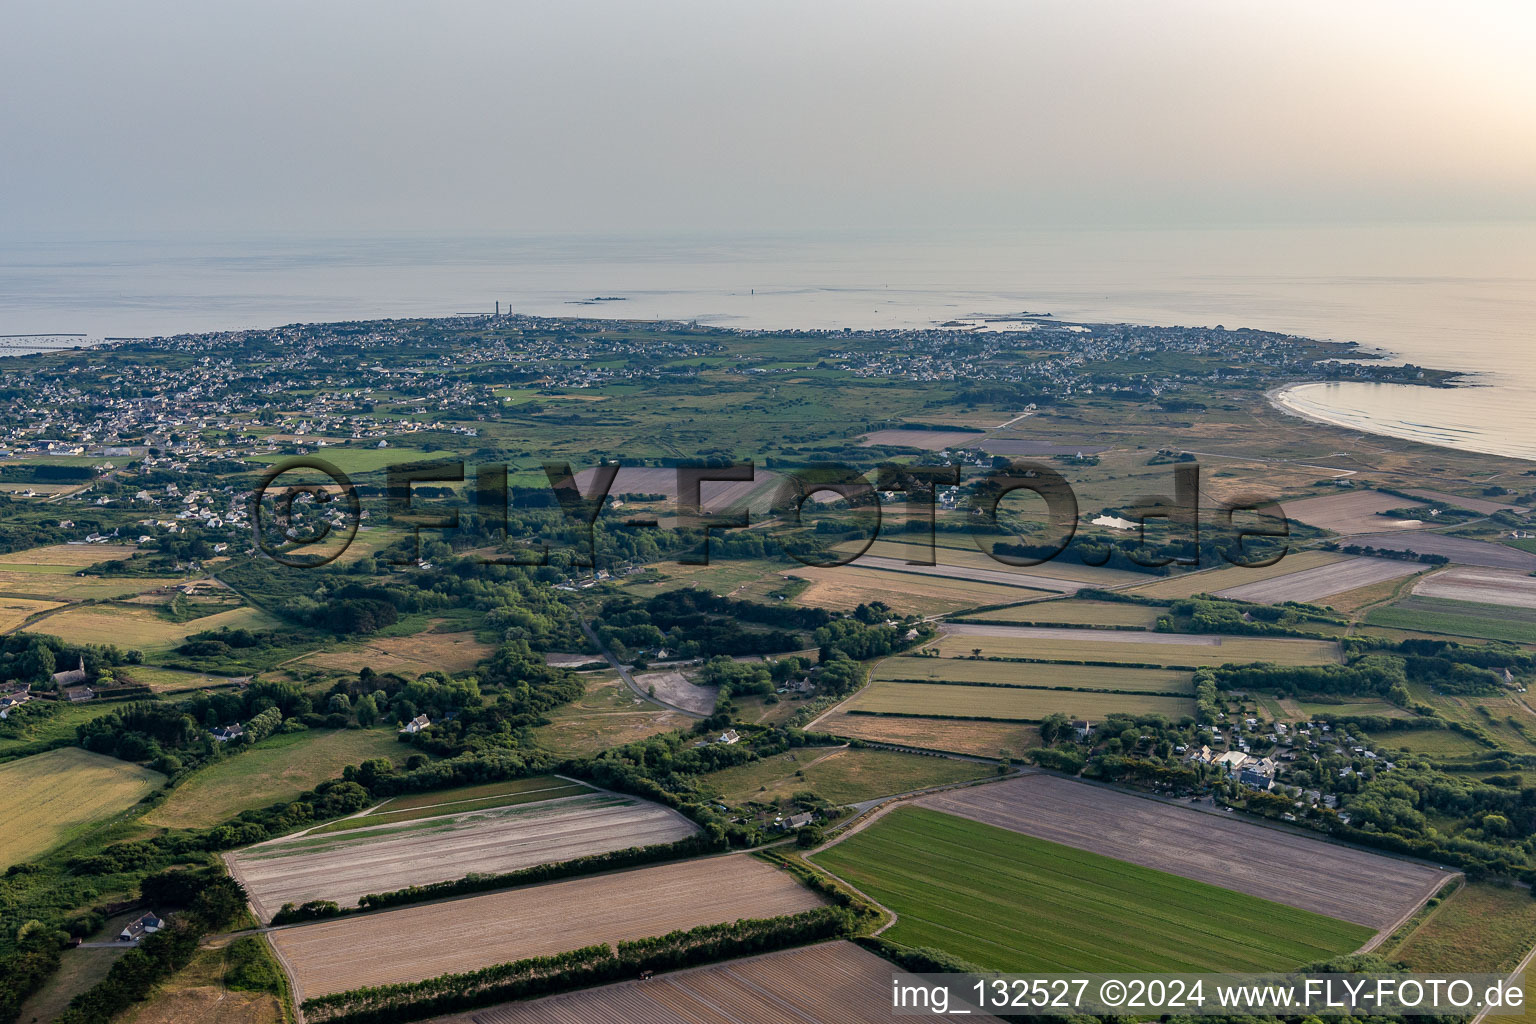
(1010, 703)
(1012, 902)
(1014, 673)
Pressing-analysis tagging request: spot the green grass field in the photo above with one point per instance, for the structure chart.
(1011, 902)
(1010, 703)
(1151, 650)
(545, 787)
(49, 798)
(1480, 928)
(45, 721)
(1014, 673)
(278, 768)
(1458, 618)
(841, 775)
(1075, 613)
(362, 460)
(1430, 742)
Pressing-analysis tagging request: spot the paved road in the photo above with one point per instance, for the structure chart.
(628, 679)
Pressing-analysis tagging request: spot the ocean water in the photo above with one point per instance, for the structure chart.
(1452, 296)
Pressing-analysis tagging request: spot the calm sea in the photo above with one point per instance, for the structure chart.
(1457, 296)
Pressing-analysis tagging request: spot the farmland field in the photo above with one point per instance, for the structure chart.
(1480, 928)
(1009, 703)
(833, 983)
(62, 559)
(961, 552)
(48, 798)
(845, 587)
(415, 943)
(1013, 673)
(1458, 618)
(1071, 612)
(1209, 581)
(68, 587)
(278, 768)
(141, 626)
(1508, 720)
(1343, 882)
(457, 801)
(1481, 586)
(59, 723)
(978, 738)
(1130, 647)
(1012, 902)
(1316, 584)
(406, 655)
(839, 774)
(16, 610)
(607, 715)
(1461, 550)
(344, 866)
(676, 688)
(1349, 512)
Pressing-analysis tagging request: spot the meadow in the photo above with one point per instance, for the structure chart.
(427, 651)
(1037, 674)
(46, 721)
(975, 737)
(278, 768)
(62, 559)
(1479, 928)
(608, 714)
(841, 775)
(1429, 742)
(1010, 902)
(1009, 703)
(49, 798)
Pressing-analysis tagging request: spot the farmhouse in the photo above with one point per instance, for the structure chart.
(415, 725)
(76, 694)
(729, 736)
(225, 733)
(136, 929)
(71, 676)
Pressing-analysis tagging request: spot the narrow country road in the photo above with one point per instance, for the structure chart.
(629, 680)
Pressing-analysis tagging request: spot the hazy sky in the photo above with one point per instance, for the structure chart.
(502, 115)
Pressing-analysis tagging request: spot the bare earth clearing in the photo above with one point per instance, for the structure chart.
(1350, 512)
(415, 943)
(1338, 881)
(675, 688)
(1507, 587)
(1322, 582)
(834, 983)
(344, 866)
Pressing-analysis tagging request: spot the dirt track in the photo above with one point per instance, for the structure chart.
(415, 943)
(1224, 850)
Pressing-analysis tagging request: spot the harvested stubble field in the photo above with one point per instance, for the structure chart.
(62, 559)
(141, 626)
(977, 738)
(407, 655)
(1511, 588)
(1350, 512)
(961, 552)
(1012, 902)
(50, 797)
(345, 866)
(1130, 647)
(1071, 612)
(1037, 674)
(1338, 881)
(847, 587)
(416, 943)
(1210, 581)
(1009, 703)
(833, 983)
(16, 610)
(1314, 585)
(50, 587)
